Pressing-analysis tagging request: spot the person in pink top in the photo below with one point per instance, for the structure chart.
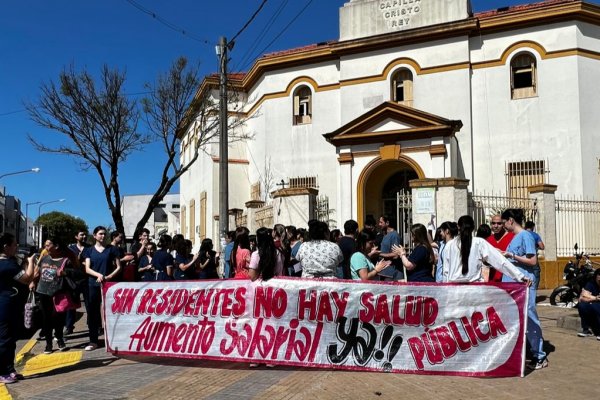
(240, 255)
(267, 260)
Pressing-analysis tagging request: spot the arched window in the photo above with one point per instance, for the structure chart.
(523, 76)
(402, 87)
(302, 105)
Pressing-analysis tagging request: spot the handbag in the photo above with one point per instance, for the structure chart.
(64, 301)
(32, 311)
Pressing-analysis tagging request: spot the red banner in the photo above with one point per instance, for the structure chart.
(445, 329)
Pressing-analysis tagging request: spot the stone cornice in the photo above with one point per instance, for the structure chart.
(288, 192)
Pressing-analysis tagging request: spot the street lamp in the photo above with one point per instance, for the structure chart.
(36, 170)
(27, 221)
(27, 207)
(39, 228)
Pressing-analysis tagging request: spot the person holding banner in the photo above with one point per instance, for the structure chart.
(522, 253)
(464, 256)
(361, 267)
(99, 262)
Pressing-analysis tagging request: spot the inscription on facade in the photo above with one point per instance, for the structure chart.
(399, 13)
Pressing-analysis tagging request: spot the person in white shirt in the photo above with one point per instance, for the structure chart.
(464, 255)
(319, 257)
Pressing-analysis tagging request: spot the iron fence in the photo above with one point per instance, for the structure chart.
(482, 207)
(577, 221)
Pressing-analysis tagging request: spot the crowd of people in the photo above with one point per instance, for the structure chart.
(456, 252)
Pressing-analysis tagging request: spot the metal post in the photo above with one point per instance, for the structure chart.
(223, 143)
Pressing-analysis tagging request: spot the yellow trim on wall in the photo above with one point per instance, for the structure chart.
(405, 61)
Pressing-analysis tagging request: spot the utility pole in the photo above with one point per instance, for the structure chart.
(223, 142)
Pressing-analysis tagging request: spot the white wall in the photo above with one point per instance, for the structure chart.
(558, 125)
(545, 127)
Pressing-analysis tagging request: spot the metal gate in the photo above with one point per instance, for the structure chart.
(404, 217)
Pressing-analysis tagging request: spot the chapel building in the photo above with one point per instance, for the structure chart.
(413, 90)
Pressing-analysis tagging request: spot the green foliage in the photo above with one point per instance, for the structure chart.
(61, 226)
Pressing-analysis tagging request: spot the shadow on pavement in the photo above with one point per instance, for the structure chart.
(196, 363)
(549, 348)
(85, 364)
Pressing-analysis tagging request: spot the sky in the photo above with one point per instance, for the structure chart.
(39, 38)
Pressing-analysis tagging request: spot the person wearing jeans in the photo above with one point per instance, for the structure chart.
(522, 253)
(101, 264)
(589, 307)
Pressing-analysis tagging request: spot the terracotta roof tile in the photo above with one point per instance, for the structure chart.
(298, 49)
(522, 7)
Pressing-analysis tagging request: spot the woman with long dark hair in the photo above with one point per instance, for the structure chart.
(163, 260)
(361, 267)
(145, 268)
(464, 256)
(185, 262)
(10, 274)
(58, 263)
(208, 260)
(419, 265)
(240, 254)
(447, 231)
(267, 260)
(101, 264)
(522, 253)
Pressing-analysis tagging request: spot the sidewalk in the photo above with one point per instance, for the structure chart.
(99, 375)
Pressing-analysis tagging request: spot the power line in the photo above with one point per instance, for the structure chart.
(165, 22)
(261, 35)
(12, 112)
(284, 29)
(249, 21)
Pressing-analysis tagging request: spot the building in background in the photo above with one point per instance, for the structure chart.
(164, 220)
(413, 90)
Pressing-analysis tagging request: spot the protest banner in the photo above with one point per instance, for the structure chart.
(466, 330)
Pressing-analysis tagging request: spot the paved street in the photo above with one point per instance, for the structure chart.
(98, 375)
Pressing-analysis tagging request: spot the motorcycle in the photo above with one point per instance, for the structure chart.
(577, 274)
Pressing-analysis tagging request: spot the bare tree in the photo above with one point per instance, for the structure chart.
(267, 179)
(101, 123)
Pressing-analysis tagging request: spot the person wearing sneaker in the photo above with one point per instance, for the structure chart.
(589, 306)
(51, 269)
(10, 274)
(77, 249)
(102, 264)
(522, 253)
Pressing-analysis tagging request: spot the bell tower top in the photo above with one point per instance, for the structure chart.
(363, 18)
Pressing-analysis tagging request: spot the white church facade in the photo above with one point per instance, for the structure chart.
(413, 90)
